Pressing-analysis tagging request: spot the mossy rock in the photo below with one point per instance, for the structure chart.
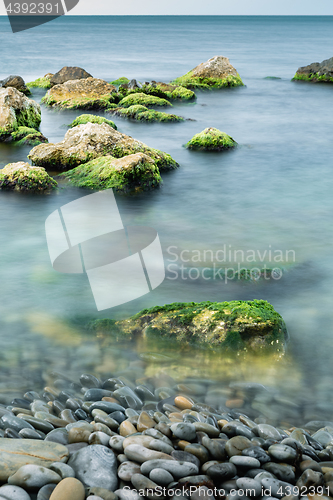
(252, 326)
(120, 81)
(316, 72)
(211, 139)
(143, 100)
(313, 77)
(23, 177)
(141, 113)
(42, 82)
(131, 174)
(83, 119)
(28, 136)
(17, 110)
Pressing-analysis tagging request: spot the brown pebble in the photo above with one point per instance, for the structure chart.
(234, 403)
(222, 423)
(145, 422)
(183, 403)
(111, 400)
(176, 415)
(126, 428)
(182, 444)
(69, 488)
(78, 435)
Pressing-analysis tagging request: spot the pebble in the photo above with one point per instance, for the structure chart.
(199, 451)
(183, 456)
(103, 493)
(222, 471)
(33, 476)
(184, 431)
(245, 462)
(145, 422)
(141, 454)
(267, 432)
(126, 428)
(258, 453)
(177, 469)
(207, 428)
(45, 492)
(127, 469)
(69, 488)
(236, 445)
(161, 476)
(282, 453)
(8, 492)
(246, 483)
(183, 403)
(64, 470)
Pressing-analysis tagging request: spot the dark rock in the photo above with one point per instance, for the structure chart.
(69, 73)
(16, 82)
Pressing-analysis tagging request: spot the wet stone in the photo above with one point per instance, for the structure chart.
(89, 381)
(222, 472)
(95, 394)
(267, 432)
(30, 434)
(183, 456)
(45, 492)
(244, 462)
(145, 422)
(103, 493)
(140, 454)
(183, 403)
(246, 483)
(212, 431)
(33, 476)
(106, 406)
(58, 436)
(69, 488)
(236, 445)
(13, 493)
(176, 469)
(199, 451)
(158, 445)
(258, 453)
(127, 469)
(161, 476)
(216, 448)
(282, 453)
(126, 428)
(99, 438)
(37, 423)
(62, 469)
(310, 478)
(184, 431)
(283, 472)
(116, 443)
(15, 423)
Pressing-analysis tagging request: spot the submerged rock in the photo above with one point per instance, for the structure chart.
(83, 119)
(87, 142)
(141, 113)
(69, 73)
(143, 100)
(316, 72)
(217, 72)
(87, 93)
(236, 325)
(132, 173)
(27, 136)
(159, 89)
(211, 139)
(42, 82)
(21, 176)
(17, 110)
(16, 82)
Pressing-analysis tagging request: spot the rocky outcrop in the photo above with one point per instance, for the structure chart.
(69, 73)
(316, 72)
(21, 176)
(237, 325)
(211, 139)
(217, 72)
(17, 110)
(87, 142)
(131, 174)
(88, 93)
(27, 136)
(16, 82)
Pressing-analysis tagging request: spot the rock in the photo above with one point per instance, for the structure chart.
(126, 428)
(140, 454)
(246, 483)
(184, 431)
(23, 177)
(121, 81)
(69, 73)
(116, 443)
(198, 450)
(217, 72)
(145, 422)
(83, 119)
(127, 469)
(159, 445)
(253, 325)
(258, 453)
(126, 494)
(142, 100)
(86, 142)
(211, 139)
(177, 469)
(282, 453)
(95, 465)
(131, 174)
(222, 471)
(236, 445)
(267, 431)
(14, 453)
(69, 488)
(245, 462)
(99, 438)
(161, 476)
(310, 478)
(62, 469)
(141, 482)
(316, 72)
(13, 493)
(17, 110)
(141, 113)
(16, 82)
(45, 492)
(88, 93)
(140, 439)
(183, 403)
(33, 476)
(103, 493)
(281, 471)
(42, 82)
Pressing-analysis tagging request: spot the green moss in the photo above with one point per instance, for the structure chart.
(211, 139)
(42, 82)
(313, 77)
(183, 94)
(28, 118)
(83, 119)
(104, 173)
(272, 78)
(28, 136)
(143, 100)
(102, 102)
(35, 180)
(120, 81)
(141, 113)
(190, 81)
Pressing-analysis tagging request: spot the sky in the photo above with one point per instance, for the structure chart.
(196, 7)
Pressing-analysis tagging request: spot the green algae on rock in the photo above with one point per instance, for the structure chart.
(83, 119)
(21, 176)
(217, 73)
(17, 110)
(316, 72)
(237, 325)
(141, 113)
(27, 136)
(86, 93)
(120, 81)
(143, 100)
(131, 174)
(160, 89)
(211, 139)
(43, 82)
(92, 140)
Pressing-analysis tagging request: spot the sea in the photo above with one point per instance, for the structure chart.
(270, 198)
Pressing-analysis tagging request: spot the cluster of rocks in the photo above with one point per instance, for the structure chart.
(121, 440)
(316, 72)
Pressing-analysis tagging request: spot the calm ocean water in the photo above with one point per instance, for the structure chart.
(274, 193)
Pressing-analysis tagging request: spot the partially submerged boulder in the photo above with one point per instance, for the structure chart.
(86, 142)
(88, 93)
(43, 82)
(211, 139)
(120, 81)
(131, 174)
(69, 73)
(217, 72)
(159, 89)
(83, 119)
(316, 72)
(27, 136)
(237, 325)
(21, 176)
(141, 113)
(143, 100)
(17, 110)
(16, 82)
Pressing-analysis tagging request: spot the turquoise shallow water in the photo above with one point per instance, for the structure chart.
(272, 193)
